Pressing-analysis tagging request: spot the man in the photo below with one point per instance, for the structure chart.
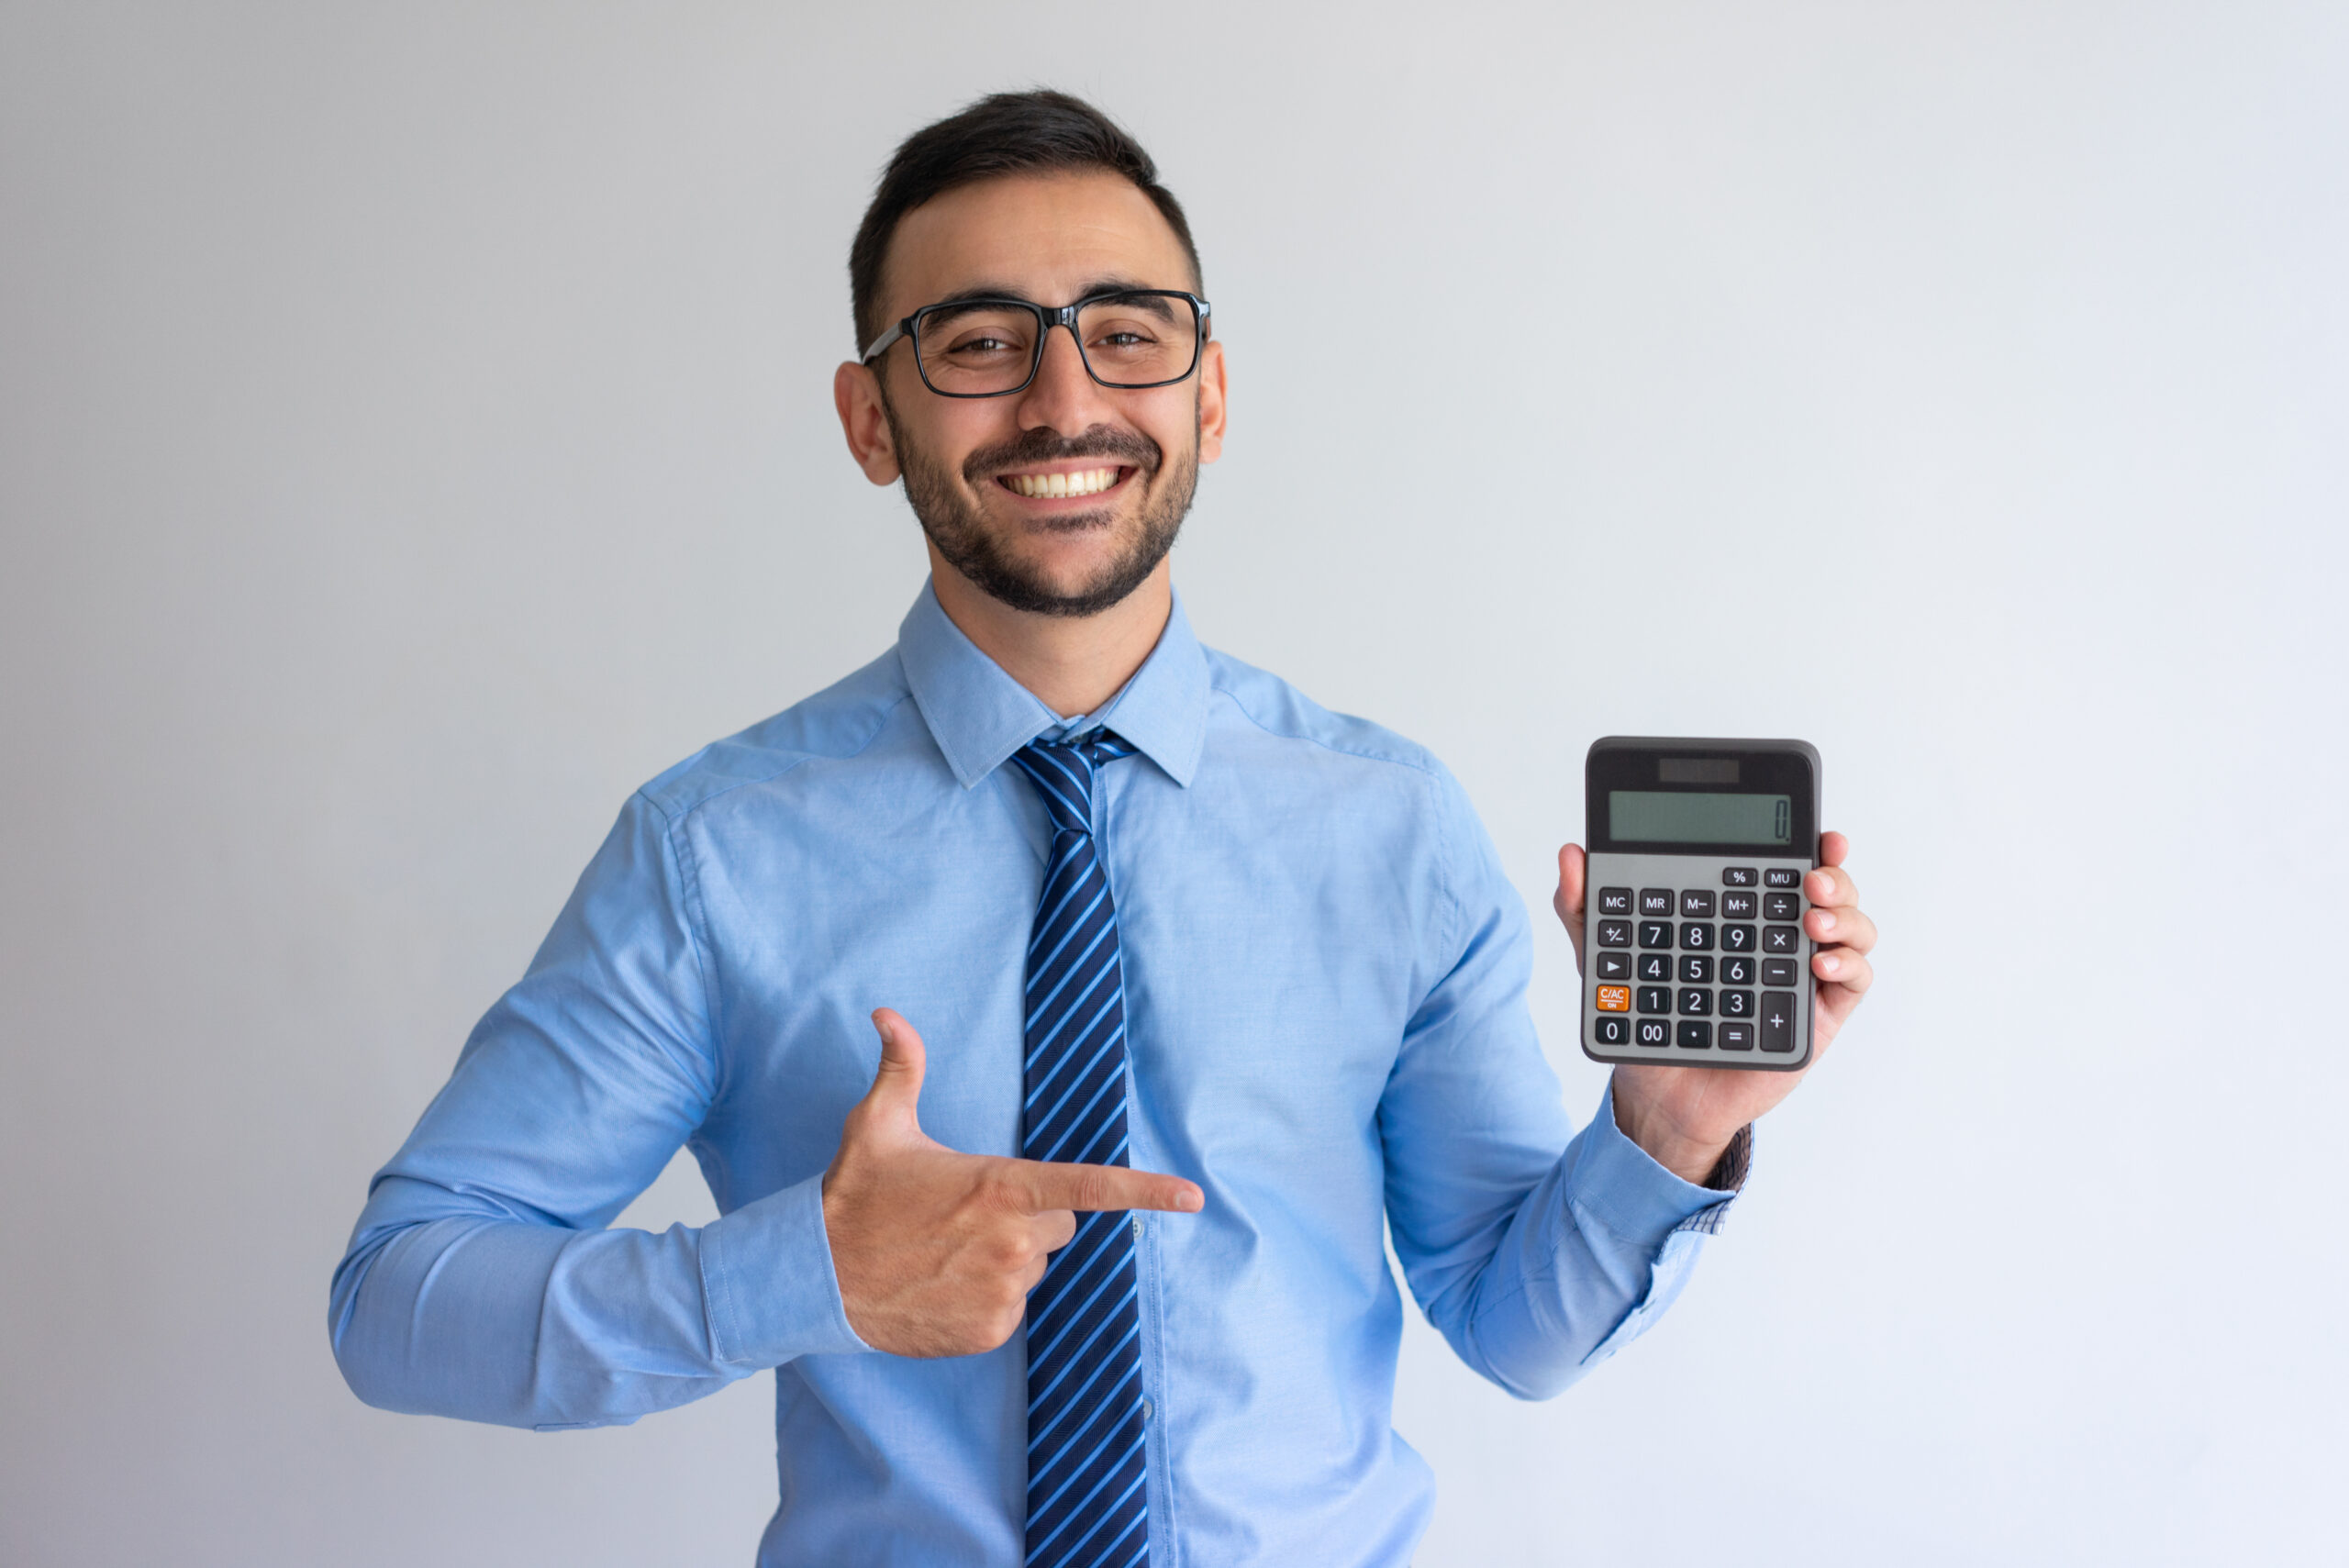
(1179, 988)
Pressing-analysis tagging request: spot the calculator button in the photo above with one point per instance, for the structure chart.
(1653, 1031)
(1614, 933)
(1614, 966)
(1655, 901)
(1781, 876)
(1735, 971)
(1696, 969)
(1696, 938)
(1612, 1030)
(1778, 1020)
(1695, 1002)
(1613, 999)
(1696, 1034)
(1737, 876)
(1737, 1004)
(1731, 1037)
(1780, 938)
(1697, 902)
(1777, 971)
(1737, 906)
(1614, 900)
(1782, 906)
(1655, 933)
(1655, 998)
(1657, 966)
(1737, 939)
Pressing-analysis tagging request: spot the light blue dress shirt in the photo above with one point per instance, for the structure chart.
(1325, 975)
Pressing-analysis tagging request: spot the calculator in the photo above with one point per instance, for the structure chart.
(1693, 946)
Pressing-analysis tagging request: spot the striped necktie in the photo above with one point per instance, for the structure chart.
(1087, 1504)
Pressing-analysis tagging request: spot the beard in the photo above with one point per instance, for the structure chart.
(977, 547)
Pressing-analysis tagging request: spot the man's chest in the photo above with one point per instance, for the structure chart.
(1270, 964)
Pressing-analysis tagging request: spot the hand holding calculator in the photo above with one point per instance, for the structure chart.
(1695, 952)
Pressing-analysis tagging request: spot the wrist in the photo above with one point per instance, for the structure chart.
(1691, 1156)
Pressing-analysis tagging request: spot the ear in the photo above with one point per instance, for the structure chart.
(856, 392)
(1211, 404)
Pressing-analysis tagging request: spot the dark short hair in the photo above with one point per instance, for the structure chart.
(1003, 133)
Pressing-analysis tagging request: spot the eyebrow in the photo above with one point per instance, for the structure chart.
(1004, 291)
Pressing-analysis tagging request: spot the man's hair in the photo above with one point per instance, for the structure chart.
(1037, 132)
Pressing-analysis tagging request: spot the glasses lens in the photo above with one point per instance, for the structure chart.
(1139, 339)
(976, 349)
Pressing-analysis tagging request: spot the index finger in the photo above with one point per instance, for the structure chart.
(1828, 883)
(1046, 1185)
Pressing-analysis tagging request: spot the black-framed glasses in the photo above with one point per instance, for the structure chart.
(1128, 338)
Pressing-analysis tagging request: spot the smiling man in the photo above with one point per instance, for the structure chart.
(1064, 1014)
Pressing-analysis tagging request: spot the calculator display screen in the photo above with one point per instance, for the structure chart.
(1688, 817)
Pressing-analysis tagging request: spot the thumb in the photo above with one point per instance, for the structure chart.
(897, 1085)
(1572, 868)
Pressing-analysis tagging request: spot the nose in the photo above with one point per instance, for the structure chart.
(1063, 397)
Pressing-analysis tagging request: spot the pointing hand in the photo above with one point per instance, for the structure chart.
(936, 1251)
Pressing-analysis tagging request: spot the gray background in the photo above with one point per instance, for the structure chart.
(415, 431)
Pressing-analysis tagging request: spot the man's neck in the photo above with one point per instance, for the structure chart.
(1073, 664)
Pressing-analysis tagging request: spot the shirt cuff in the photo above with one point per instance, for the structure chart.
(767, 1281)
(1619, 1185)
(1728, 1175)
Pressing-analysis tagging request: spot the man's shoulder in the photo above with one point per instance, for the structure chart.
(835, 724)
(1272, 705)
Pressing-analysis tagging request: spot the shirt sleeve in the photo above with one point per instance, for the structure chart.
(1535, 1254)
(482, 1282)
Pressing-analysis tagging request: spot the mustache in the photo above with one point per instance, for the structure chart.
(1127, 447)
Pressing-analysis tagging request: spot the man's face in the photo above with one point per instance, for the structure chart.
(1125, 460)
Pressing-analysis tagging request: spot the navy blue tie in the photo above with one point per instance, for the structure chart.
(1087, 1500)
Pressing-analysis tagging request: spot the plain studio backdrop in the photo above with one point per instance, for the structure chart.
(415, 432)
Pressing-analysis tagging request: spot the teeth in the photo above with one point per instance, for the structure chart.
(1091, 482)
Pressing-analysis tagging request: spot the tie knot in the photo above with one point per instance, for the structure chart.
(1064, 772)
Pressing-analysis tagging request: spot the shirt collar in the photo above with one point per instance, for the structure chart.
(979, 715)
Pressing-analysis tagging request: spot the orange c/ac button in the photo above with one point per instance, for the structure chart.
(1614, 998)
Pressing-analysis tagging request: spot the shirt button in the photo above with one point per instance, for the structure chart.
(1145, 1409)
(1136, 1227)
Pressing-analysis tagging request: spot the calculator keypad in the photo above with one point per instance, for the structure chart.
(1712, 963)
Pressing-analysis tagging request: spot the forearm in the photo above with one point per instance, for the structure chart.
(525, 1325)
(1597, 1251)
(444, 1306)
